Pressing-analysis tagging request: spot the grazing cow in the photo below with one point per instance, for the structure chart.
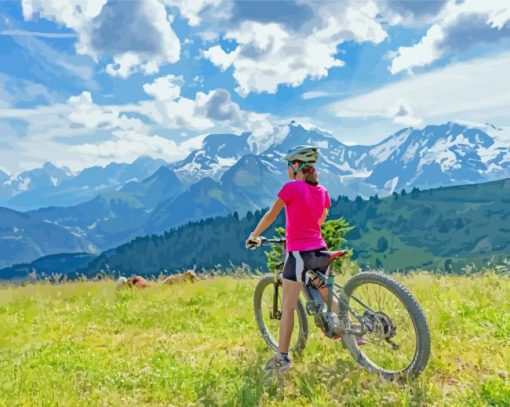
(137, 281)
(122, 283)
(189, 275)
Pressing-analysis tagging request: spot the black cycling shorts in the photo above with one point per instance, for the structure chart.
(297, 262)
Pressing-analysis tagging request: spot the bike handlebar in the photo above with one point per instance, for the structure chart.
(272, 241)
(253, 244)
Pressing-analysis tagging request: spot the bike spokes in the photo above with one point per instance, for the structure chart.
(272, 318)
(391, 339)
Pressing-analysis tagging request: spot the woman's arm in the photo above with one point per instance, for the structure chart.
(323, 217)
(268, 218)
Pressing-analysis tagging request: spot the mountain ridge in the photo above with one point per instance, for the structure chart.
(231, 177)
(73, 188)
(353, 170)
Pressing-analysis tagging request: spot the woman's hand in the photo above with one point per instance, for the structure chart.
(253, 242)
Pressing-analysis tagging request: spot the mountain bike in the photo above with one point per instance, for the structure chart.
(377, 319)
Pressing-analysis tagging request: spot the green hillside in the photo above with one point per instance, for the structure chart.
(444, 228)
(85, 344)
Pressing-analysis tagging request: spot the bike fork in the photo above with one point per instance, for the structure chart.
(275, 302)
(275, 312)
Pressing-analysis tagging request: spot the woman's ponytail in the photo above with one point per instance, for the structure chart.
(310, 174)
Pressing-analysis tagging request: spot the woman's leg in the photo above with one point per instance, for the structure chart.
(291, 290)
(325, 294)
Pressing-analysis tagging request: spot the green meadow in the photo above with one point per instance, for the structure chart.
(84, 343)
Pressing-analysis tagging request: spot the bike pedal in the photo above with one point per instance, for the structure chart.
(339, 338)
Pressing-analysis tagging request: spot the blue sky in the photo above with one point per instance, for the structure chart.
(90, 82)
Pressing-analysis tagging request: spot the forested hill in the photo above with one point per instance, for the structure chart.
(206, 244)
(442, 228)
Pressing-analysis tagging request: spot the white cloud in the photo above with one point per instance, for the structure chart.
(314, 94)
(14, 90)
(477, 90)
(85, 133)
(270, 54)
(74, 14)
(130, 137)
(160, 47)
(25, 33)
(127, 145)
(177, 113)
(191, 10)
(219, 57)
(209, 111)
(58, 133)
(402, 113)
(421, 54)
(413, 12)
(144, 44)
(84, 112)
(165, 87)
(463, 25)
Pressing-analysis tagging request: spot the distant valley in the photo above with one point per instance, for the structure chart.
(443, 229)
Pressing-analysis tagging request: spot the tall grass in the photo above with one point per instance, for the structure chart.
(84, 343)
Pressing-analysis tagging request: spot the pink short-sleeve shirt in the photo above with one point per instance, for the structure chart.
(304, 206)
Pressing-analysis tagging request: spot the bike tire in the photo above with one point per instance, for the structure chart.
(267, 282)
(422, 353)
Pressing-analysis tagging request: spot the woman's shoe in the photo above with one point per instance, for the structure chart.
(278, 363)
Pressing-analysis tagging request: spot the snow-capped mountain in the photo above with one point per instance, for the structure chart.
(444, 155)
(121, 201)
(218, 153)
(337, 161)
(331, 149)
(448, 154)
(435, 155)
(48, 176)
(52, 186)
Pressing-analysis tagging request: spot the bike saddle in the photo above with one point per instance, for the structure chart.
(332, 255)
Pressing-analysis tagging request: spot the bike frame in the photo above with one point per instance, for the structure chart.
(329, 280)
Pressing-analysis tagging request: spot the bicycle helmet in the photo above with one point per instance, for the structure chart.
(306, 154)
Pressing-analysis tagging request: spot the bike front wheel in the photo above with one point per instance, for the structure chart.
(397, 342)
(268, 321)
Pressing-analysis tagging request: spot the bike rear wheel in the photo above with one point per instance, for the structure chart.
(268, 325)
(396, 319)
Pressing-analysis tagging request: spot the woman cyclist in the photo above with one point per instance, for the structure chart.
(306, 204)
